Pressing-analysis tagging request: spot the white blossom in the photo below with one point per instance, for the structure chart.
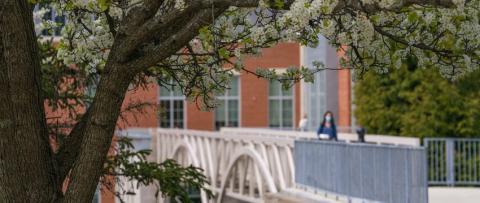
(90, 42)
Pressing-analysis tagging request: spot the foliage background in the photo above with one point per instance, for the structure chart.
(419, 102)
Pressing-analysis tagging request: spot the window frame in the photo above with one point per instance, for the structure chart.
(225, 98)
(281, 98)
(171, 98)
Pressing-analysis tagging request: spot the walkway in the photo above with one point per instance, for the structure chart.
(245, 165)
(454, 195)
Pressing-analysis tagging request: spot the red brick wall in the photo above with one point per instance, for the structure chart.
(344, 100)
(198, 120)
(254, 104)
(283, 55)
(106, 196)
(147, 117)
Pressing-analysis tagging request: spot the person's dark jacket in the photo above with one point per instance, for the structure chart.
(332, 134)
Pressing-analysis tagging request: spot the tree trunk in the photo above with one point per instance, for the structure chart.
(27, 171)
(98, 133)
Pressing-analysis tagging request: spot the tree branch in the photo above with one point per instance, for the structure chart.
(97, 133)
(111, 23)
(406, 43)
(145, 32)
(151, 27)
(68, 152)
(375, 7)
(176, 40)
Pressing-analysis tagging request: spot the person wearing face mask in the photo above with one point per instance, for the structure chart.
(327, 129)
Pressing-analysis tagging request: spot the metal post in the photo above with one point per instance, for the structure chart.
(449, 145)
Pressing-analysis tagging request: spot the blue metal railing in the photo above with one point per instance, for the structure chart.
(363, 171)
(453, 161)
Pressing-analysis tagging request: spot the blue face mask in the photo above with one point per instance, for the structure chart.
(328, 118)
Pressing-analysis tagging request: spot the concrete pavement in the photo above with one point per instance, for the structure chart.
(453, 195)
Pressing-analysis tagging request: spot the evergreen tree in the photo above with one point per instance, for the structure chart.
(418, 102)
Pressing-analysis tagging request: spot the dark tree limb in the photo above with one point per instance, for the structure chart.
(176, 40)
(27, 167)
(375, 7)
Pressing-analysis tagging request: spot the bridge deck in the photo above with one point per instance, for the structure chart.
(244, 165)
(298, 196)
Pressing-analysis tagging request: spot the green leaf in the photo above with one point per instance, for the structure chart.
(104, 4)
(375, 18)
(206, 34)
(70, 5)
(412, 17)
(224, 53)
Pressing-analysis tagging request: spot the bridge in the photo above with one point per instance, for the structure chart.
(245, 167)
(259, 165)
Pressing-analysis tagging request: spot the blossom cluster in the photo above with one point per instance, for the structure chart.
(390, 37)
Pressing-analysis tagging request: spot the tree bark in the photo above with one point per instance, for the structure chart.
(98, 134)
(27, 169)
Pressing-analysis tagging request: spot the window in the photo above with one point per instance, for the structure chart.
(280, 108)
(53, 16)
(315, 100)
(172, 113)
(227, 112)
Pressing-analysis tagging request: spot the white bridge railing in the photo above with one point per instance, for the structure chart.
(244, 167)
(240, 163)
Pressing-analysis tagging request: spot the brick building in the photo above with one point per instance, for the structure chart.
(254, 102)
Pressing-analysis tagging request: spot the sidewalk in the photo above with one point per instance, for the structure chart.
(453, 194)
(293, 195)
